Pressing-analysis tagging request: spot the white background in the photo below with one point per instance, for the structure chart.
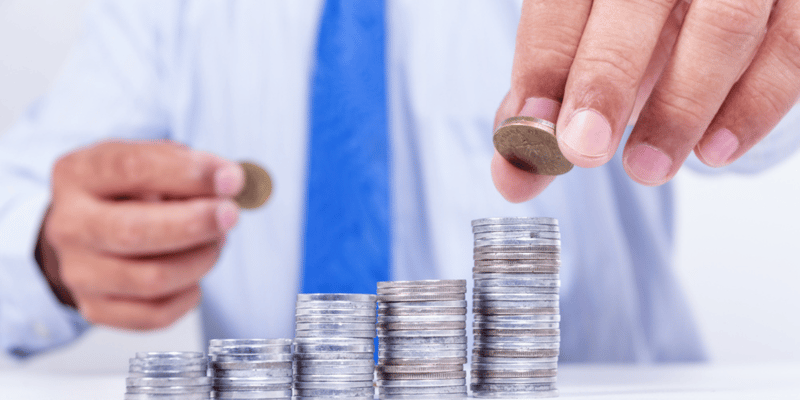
(738, 241)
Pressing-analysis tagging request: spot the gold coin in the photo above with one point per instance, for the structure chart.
(530, 144)
(257, 186)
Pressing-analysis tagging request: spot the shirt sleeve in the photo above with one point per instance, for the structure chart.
(778, 146)
(111, 87)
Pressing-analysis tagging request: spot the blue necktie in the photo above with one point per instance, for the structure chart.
(347, 216)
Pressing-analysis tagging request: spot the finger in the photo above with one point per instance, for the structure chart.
(142, 278)
(132, 314)
(136, 169)
(714, 46)
(547, 38)
(764, 94)
(605, 77)
(134, 228)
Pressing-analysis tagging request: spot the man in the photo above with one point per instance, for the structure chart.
(131, 230)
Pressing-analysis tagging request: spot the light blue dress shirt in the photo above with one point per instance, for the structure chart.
(232, 77)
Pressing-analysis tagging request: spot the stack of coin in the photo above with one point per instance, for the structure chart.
(423, 340)
(334, 346)
(515, 302)
(251, 368)
(168, 376)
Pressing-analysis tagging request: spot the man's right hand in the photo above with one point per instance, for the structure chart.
(133, 227)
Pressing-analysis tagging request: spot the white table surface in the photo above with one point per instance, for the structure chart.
(701, 381)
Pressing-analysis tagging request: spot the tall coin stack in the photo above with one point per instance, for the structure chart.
(168, 376)
(334, 346)
(422, 339)
(515, 302)
(251, 368)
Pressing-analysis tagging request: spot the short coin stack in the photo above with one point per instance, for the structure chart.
(168, 376)
(334, 346)
(423, 342)
(515, 302)
(251, 368)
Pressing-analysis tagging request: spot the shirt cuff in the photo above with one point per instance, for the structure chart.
(32, 319)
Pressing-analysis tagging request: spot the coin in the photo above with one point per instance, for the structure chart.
(530, 144)
(257, 186)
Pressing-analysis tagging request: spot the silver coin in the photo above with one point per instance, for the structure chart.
(355, 392)
(431, 355)
(245, 365)
(167, 389)
(422, 289)
(490, 387)
(423, 333)
(257, 357)
(253, 394)
(322, 348)
(552, 297)
(419, 361)
(335, 304)
(439, 396)
(158, 381)
(515, 221)
(340, 363)
(523, 243)
(334, 371)
(408, 383)
(409, 311)
(422, 341)
(514, 304)
(422, 304)
(327, 318)
(481, 275)
(531, 282)
(552, 354)
(421, 326)
(424, 377)
(424, 390)
(477, 325)
(420, 297)
(338, 297)
(183, 396)
(432, 282)
(428, 347)
(344, 313)
(250, 349)
(516, 340)
(344, 333)
(540, 234)
(519, 370)
(517, 318)
(249, 342)
(334, 356)
(414, 370)
(421, 318)
(328, 378)
(338, 385)
(516, 381)
(343, 326)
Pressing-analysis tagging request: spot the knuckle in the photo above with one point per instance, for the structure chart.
(740, 21)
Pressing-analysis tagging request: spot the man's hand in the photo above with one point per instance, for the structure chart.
(132, 228)
(715, 76)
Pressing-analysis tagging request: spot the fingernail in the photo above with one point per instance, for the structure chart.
(719, 148)
(227, 215)
(228, 180)
(541, 108)
(587, 133)
(649, 164)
